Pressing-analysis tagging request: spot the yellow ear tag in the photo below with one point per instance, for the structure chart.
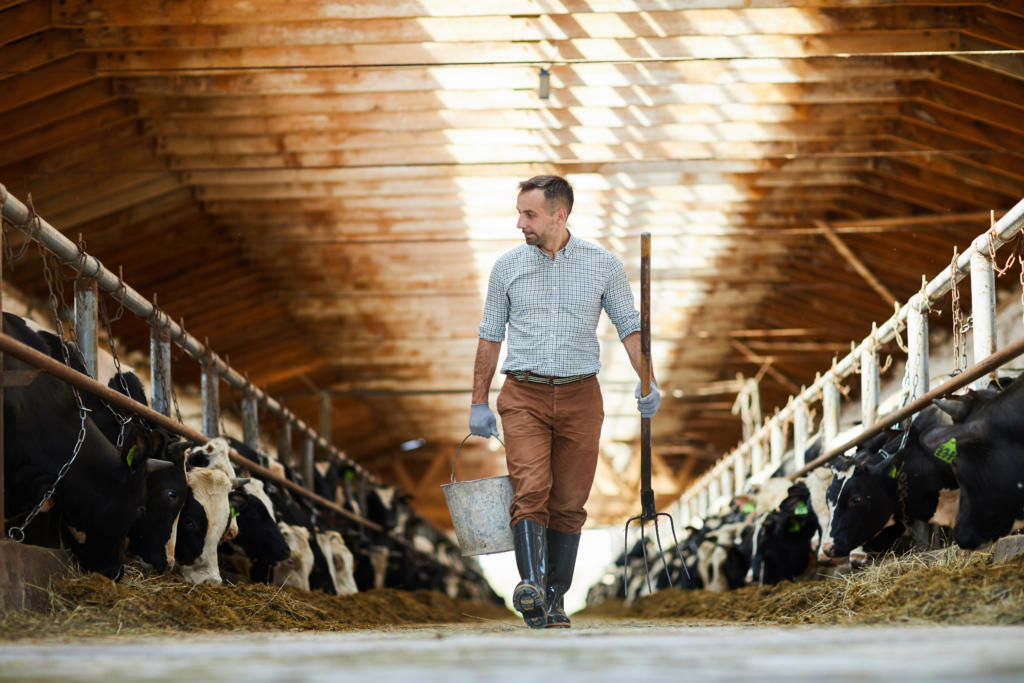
(947, 451)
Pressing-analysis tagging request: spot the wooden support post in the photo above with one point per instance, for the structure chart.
(307, 461)
(284, 442)
(830, 411)
(870, 380)
(917, 343)
(85, 321)
(800, 432)
(210, 393)
(251, 421)
(983, 311)
(160, 366)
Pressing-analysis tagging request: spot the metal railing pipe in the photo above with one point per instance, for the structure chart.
(36, 227)
(997, 359)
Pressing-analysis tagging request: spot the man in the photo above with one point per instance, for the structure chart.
(549, 294)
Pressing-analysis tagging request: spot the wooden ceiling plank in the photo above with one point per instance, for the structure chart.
(23, 20)
(617, 25)
(159, 13)
(574, 136)
(84, 125)
(539, 53)
(414, 97)
(57, 107)
(568, 119)
(34, 52)
(46, 80)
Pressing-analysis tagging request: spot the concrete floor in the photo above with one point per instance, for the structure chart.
(500, 652)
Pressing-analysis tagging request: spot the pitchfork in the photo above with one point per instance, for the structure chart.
(647, 511)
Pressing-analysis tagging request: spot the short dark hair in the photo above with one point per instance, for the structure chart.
(557, 190)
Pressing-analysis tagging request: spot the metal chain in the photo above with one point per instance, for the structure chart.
(959, 333)
(17, 533)
(122, 420)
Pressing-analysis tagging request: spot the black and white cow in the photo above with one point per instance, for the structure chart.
(259, 537)
(783, 547)
(887, 485)
(103, 491)
(984, 444)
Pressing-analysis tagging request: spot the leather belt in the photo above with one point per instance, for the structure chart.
(527, 376)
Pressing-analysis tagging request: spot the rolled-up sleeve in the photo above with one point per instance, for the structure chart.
(618, 301)
(496, 307)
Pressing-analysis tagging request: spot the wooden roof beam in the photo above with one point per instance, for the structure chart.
(23, 20)
(859, 266)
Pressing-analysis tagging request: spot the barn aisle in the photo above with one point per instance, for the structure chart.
(500, 651)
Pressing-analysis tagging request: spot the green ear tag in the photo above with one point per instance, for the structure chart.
(800, 509)
(350, 474)
(130, 458)
(895, 470)
(748, 508)
(947, 451)
(234, 512)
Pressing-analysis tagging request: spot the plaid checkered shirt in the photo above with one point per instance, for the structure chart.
(552, 306)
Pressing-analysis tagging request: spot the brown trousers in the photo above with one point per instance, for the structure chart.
(551, 445)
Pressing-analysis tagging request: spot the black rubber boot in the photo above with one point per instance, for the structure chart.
(530, 540)
(562, 549)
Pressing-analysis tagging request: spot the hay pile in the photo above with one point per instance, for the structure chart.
(945, 586)
(141, 604)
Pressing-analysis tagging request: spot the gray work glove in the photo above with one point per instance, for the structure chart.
(647, 405)
(481, 421)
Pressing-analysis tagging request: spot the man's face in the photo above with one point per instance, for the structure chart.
(541, 227)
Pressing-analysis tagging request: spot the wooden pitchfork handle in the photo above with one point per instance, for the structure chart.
(647, 510)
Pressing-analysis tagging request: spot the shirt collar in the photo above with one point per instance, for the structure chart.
(565, 251)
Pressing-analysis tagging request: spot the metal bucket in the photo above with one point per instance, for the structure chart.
(480, 511)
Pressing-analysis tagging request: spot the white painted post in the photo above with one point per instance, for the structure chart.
(917, 343)
(776, 443)
(870, 379)
(726, 480)
(250, 421)
(740, 470)
(702, 502)
(85, 321)
(714, 493)
(210, 394)
(756, 457)
(830, 411)
(160, 366)
(800, 430)
(983, 311)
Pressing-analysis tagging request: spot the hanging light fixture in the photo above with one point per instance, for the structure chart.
(544, 88)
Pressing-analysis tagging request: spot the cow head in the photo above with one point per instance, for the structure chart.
(153, 537)
(210, 489)
(95, 526)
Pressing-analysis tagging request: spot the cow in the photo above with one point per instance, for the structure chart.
(723, 557)
(102, 492)
(259, 537)
(295, 569)
(208, 518)
(153, 537)
(339, 561)
(983, 444)
(892, 481)
(783, 539)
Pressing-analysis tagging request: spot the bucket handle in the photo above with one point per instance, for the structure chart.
(454, 457)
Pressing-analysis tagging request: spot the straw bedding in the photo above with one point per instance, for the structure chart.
(92, 605)
(946, 586)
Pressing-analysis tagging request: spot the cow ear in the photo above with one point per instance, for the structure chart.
(135, 451)
(238, 499)
(970, 432)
